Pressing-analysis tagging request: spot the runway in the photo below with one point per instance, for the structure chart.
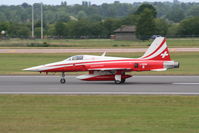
(168, 85)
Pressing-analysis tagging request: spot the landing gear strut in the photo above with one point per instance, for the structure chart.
(62, 80)
(119, 79)
(123, 80)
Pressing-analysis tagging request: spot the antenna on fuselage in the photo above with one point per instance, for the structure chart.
(104, 54)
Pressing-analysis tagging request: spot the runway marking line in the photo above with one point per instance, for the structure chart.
(185, 83)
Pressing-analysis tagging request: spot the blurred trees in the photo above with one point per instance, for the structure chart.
(110, 25)
(59, 29)
(53, 13)
(144, 6)
(161, 27)
(176, 14)
(172, 30)
(145, 27)
(193, 11)
(189, 26)
(15, 30)
(4, 26)
(93, 21)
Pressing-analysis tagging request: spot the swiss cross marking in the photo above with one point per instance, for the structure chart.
(164, 54)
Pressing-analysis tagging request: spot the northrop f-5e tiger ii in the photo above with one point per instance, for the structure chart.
(106, 68)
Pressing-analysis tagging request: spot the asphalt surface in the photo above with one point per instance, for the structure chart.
(109, 50)
(171, 85)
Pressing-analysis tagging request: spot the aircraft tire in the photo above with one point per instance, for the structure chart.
(123, 80)
(62, 81)
(118, 82)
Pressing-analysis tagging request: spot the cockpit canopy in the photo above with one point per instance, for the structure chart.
(87, 57)
(76, 57)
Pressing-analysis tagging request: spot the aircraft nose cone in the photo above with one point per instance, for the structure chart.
(27, 69)
(35, 69)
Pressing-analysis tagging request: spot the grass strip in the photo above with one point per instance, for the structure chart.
(99, 114)
(95, 43)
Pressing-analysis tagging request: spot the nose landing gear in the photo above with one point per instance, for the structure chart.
(62, 80)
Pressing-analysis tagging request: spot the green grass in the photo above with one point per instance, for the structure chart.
(99, 114)
(183, 42)
(14, 63)
(96, 43)
(74, 43)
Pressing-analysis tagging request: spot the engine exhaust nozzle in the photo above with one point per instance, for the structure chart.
(171, 64)
(176, 64)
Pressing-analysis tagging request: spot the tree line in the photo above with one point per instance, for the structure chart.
(174, 12)
(83, 21)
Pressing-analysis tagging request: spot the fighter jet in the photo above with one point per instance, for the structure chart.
(106, 68)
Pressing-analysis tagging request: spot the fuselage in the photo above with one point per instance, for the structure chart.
(92, 63)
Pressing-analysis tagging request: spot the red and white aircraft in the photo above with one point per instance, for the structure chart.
(105, 68)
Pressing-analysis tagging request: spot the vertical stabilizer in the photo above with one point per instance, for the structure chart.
(158, 50)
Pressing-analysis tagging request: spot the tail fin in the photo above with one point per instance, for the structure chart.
(158, 50)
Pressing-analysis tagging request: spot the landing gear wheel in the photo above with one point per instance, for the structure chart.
(62, 81)
(123, 80)
(118, 82)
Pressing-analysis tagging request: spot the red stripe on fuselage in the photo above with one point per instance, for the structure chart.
(102, 61)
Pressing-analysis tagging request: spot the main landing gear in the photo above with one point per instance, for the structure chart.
(63, 80)
(119, 79)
